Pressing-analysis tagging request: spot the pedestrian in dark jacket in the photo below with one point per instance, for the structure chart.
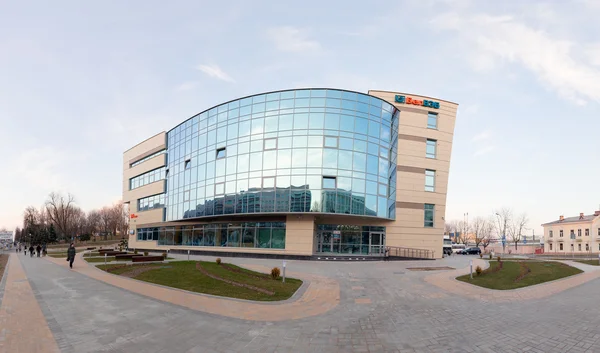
(31, 251)
(39, 250)
(71, 255)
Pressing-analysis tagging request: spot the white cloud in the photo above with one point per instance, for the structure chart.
(484, 150)
(493, 40)
(215, 71)
(186, 86)
(292, 39)
(482, 136)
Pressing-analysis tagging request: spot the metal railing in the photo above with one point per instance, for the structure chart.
(395, 251)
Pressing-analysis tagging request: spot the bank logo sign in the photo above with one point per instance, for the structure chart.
(424, 102)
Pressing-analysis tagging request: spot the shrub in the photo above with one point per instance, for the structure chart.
(275, 273)
(145, 253)
(478, 270)
(164, 255)
(499, 259)
(218, 260)
(135, 252)
(480, 255)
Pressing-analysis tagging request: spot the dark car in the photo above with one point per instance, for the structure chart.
(471, 251)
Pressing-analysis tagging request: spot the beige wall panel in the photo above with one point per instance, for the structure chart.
(151, 164)
(144, 146)
(146, 217)
(157, 187)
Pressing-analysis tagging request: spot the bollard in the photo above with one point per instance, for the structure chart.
(105, 258)
(471, 266)
(188, 255)
(283, 277)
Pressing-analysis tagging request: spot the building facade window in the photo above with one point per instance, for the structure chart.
(550, 247)
(560, 246)
(147, 158)
(221, 153)
(429, 180)
(429, 215)
(587, 232)
(432, 120)
(329, 182)
(572, 234)
(578, 232)
(550, 233)
(264, 235)
(188, 164)
(560, 233)
(147, 178)
(579, 247)
(431, 148)
(587, 247)
(151, 202)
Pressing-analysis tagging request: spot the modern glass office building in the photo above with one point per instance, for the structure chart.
(296, 172)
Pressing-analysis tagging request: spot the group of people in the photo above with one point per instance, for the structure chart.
(39, 250)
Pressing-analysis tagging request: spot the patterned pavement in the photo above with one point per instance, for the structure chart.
(383, 307)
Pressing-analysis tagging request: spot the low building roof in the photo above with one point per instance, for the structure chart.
(575, 219)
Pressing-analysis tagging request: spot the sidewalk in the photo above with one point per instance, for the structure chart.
(23, 327)
(322, 295)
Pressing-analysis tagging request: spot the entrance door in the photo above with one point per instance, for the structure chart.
(325, 242)
(376, 243)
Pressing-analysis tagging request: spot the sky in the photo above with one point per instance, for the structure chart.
(82, 81)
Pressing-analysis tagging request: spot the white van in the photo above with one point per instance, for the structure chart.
(457, 247)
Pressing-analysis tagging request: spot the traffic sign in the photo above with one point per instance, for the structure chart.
(525, 240)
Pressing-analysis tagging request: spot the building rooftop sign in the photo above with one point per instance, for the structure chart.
(410, 100)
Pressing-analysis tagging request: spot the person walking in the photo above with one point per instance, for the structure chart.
(39, 250)
(71, 255)
(30, 250)
(44, 252)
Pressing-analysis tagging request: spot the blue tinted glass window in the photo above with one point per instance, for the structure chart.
(432, 120)
(431, 148)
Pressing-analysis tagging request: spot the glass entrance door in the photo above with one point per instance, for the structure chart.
(376, 243)
(325, 241)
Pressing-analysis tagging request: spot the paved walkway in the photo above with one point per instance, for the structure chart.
(21, 318)
(321, 295)
(383, 307)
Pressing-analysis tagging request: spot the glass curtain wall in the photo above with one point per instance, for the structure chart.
(264, 235)
(350, 239)
(305, 150)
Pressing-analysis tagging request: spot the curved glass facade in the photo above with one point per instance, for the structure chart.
(306, 150)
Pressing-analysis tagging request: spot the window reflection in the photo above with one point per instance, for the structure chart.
(277, 154)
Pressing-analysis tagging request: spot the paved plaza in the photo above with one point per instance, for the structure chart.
(344, 307)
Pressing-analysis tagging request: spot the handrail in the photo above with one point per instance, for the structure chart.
(414, 253)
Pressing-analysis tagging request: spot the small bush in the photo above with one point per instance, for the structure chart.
(218, 260)
(145, 253)
(499, 259)
(275, 273)
(480, 255)
(164, 255)
(478, 270)
(135, 252)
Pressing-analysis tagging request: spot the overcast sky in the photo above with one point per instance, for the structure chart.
(82, 81)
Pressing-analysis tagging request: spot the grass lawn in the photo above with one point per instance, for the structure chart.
(184, 275)
(589, 262)
(3, 261)
(541, 271)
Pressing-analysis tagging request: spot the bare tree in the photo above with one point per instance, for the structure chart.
(504, 218)
(463, 228)
(94, 221)
(516, 228)
(478, 228)
(486, 233)
(106, 220)
(61, 212)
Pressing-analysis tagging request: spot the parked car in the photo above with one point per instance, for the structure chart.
(471, 251)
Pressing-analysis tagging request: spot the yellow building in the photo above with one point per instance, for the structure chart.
(298, 173)
(579, 234)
